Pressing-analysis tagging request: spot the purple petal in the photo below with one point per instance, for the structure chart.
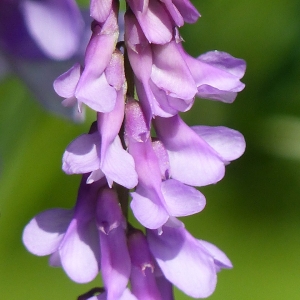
(217, 75)
(96, 93)
(221, 260)
(154, 20)
(170, 72)
(181, 200)
(79, 252)
(55, 25)
(81, 155)
(187, 10)
(65, 84)
(192, 160)
(100, 10)
(148, 208)
(183, 262)
(142, 277)
(44, 233)
(115, 260)
(118, 165)
(229, 143)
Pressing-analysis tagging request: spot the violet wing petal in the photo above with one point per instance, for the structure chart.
(55, 25)
(192, 160)
(183, 262)
(230, 144)
(187, 10)
(118, 165)
(44, 233)
(96, 92)
(79, 251)
(217, 75)
(147, 207)
(65, 84)
(181, 200)
(81, 155)
(221, 260)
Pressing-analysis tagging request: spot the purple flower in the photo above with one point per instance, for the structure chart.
(168, 79)
(154, 200)
(96, 85)
(188, 263)
(101, 151)
(69, 236)
(198, 155)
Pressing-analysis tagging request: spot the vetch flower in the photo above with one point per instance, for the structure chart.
(70, 236)
(154, 200)
(91, 85)
(101, 151)
(188, 263)
(198, 159)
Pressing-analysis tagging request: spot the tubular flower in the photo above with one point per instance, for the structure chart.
(141, 154)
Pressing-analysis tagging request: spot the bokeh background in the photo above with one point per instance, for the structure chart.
(253, 214)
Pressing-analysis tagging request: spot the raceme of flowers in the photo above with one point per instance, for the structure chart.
(139, 86)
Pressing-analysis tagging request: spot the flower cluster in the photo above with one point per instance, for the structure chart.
(143, 151)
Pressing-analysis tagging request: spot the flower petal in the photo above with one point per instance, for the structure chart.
(229, 143)
(43, 234)
(79, 252)
(81, 155)
(183, 262)
(181, 200)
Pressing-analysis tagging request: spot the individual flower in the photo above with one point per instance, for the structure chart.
(101, 152)
(198, 155)
(168, 79)
(155, 201)
(190, 264)
(91, 85)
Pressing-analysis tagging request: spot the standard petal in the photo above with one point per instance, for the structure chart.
(192, 160)
(230, 144)
(43, 234)
(183, 262)
(170, 72)
(79, 252)
(81, 155)
(154, 20)
(181, 200)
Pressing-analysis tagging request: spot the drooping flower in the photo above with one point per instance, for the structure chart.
(168, 79)
(188, 263)
(155, 201)
(91, 85)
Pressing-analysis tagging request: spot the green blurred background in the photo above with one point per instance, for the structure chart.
(253, 214)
